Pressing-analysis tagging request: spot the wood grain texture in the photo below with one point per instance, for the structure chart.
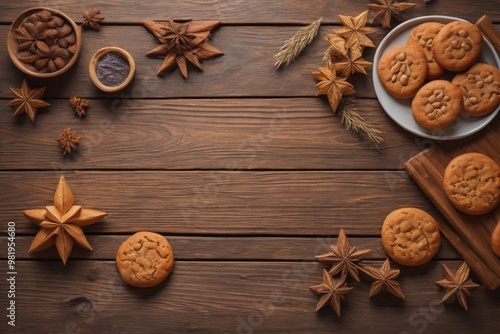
(245, 12)
(489, 31)
(245, 70)
(209, 248)
(473, 233)
(244, 170)
(266, 297)
(218, 202)
(204, 134)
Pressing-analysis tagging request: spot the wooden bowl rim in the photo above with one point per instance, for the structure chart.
(11, 41)
(92, 68)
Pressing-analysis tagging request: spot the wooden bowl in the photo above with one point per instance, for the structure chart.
(93, 66)
(28, 68)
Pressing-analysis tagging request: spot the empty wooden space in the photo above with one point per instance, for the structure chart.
(246, 172)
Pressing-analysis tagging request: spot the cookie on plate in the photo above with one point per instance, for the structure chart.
(402, 70)
(437, 104)
(471, 182)
(410, 236)
(145, 259)
(423, 35)
(480, 87)
(457, 45)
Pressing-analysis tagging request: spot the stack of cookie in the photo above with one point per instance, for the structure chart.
(415, 70)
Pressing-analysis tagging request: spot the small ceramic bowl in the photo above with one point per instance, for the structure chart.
(95, 68)
(14, 40)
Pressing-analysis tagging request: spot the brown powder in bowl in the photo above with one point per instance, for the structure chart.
(112, 69)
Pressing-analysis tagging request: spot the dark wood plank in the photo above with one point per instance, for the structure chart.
(473, 233)
(248, 12)
(246, 69)
(240, 166)
(233, 297)
(209, 248)
(204, 134)
(218, 202)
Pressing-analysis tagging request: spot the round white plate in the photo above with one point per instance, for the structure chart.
(399, 110)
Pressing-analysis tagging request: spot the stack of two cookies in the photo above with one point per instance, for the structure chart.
(413, 71)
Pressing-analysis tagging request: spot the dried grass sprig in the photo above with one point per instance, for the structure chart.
(352, 120)
(295, 45)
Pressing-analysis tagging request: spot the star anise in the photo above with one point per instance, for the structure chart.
(355, 32)
(331, 291)
(343, 257)
(79, 105)
(91, 19)
(388, 8)
(61, 224)
(51, 57)
(68, 141)
(457, 284)
(182, 43)
(31, 34)
(384, 279)
(27, 100)
(332, 86)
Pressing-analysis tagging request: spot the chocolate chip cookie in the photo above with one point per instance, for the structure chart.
(145, 259)
(410, 236)
(472, 183)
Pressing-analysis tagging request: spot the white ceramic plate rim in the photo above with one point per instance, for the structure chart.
(399, 110)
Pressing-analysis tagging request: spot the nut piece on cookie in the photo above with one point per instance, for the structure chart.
(471, 182)
(402, 70)
(437, 104)
(145, 259)
(457, 45)
(410, 236)
(423, 35)
(480, 86)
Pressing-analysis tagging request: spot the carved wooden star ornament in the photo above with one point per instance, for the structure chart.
(61, 224)
(333, 86)
(355, 32)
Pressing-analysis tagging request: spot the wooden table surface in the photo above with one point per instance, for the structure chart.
(241, 167)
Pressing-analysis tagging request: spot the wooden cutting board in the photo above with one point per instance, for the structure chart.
(470, 235)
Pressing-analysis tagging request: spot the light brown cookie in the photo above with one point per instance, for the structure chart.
(437, 104)
(423, 35)
(410, 236)
(457, 45)
(145, 259)
(402, 70)
(480, 87)
(472, 183)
